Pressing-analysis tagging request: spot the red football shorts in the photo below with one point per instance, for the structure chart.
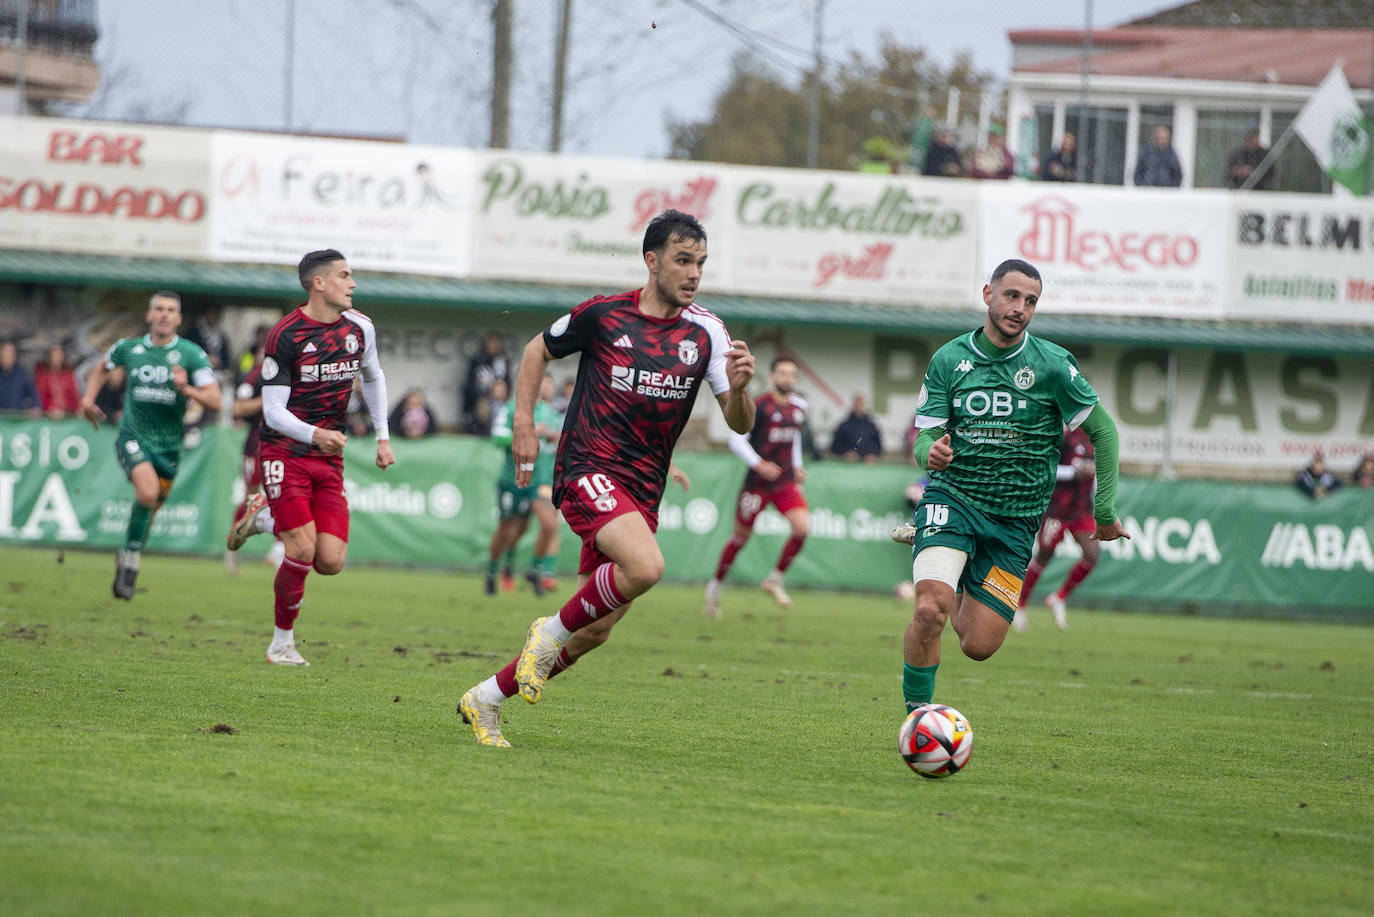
(305, 488)
(752, 502)
(586, 514)
(1052, 530)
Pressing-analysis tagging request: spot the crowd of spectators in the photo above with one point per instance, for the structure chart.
(1317, 481)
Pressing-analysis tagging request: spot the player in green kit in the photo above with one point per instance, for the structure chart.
(992, 412)
(161, 372)
(514, 504)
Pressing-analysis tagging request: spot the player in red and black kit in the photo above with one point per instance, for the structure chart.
(248, 406)
(1071, 510)
(644, 354)
(311, 358)
(774, 455)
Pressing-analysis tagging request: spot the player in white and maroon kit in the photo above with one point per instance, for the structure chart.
(774, 455)
(312, 356)
(1071, 510)
(644, 355)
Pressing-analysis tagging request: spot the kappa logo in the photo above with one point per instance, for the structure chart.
(624, 341)
(964, 366)
(309, 348)
(622, 378)
(688, 352)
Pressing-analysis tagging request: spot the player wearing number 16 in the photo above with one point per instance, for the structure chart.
(644, 355)
(992, 410)
(311, 358)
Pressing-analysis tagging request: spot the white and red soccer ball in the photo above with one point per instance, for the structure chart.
(935, 740)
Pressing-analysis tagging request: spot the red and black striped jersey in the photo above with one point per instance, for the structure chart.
(1073, 498)
(251, 387)
(636, 384)
(776, 437)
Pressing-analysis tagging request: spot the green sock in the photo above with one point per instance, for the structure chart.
(137, 533)
(491, 567)
(543, 564)
(510, 562)
(918, 684)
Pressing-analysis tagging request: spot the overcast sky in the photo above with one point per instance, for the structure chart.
(421, 69)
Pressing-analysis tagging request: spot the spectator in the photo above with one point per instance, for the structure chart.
(483, 371)
(1315, 480)
(1363, 475)
(252, 356)
(942, 158)
(992, 159)
(16, 388)
(1062, 165)
(58, 393)
(1157, 165)
(1244, 161)
(879, 157)
(209, 334)
(857, 437)
(413, 417)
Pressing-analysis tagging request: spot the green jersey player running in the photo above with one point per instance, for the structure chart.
(992, 413)
(514, 504)
(161, 371)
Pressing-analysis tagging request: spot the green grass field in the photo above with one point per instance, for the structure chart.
(1138, 764)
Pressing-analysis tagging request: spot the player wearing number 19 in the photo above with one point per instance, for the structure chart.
(992, 410)
(644, 355)
(162, 371)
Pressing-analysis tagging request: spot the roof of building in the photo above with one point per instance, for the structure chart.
(1292, 57)
(274, 282)
(1261, 14)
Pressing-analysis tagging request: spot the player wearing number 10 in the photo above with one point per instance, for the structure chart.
(992, 411)
(644, 355)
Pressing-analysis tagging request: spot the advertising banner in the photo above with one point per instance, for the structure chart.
(1301, 258)
(93, 187)
(1112, 251)
(581, 220)
(386, 206)
(837, 235)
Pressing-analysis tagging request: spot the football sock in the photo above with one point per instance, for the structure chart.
(288, 589)
(505, 680)
(508, 567)
(550, 565)
(1032, 575)
(1077, 575)
(727, 556)
(789, 552)
(541, 564)
(489, 691)
(137, 533)
(502, 685)
(492, 565)
(282, 636)
(918, 684)
(264, 522)
(600, 595)
(562, 663)
(555, 628)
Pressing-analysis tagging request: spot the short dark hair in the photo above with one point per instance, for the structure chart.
(781, 358)
(672, 225)
(165, 294)
(1019, 266)
(312, 263)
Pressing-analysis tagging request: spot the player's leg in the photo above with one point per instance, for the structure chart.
(545, 544)
(936, 572)
(1092, 549)
(292, 485)
(507, 531)
(792, 504)
(253, 515)
(151, 475)
(747, 508)
(991, 589)
(1046, 540)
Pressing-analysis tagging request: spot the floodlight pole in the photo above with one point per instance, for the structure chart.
(813, 130)
(1083, 77)
(21, 53)
(289, 74)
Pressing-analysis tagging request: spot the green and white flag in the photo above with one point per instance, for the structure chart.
(1337, 132)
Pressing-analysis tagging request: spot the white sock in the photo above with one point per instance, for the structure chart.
(132, 559)
(283, 637)
(555, 629)
(488, 692)
(263, 521)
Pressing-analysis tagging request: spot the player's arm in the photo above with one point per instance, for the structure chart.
(1101, 430)
(524, 446)
(201, 385)
(94, 383)
(246, 404)
(374, 396)
(735, 402)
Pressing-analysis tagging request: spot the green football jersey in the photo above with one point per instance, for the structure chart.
(1005, 416)
(152, 406)
(502, 432)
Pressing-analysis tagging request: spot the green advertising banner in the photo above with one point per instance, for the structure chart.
(1253, 547)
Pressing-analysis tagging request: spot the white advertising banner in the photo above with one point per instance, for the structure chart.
(1301, 258)
(1112, 251)
(849, 236)
(385, 206)
(580, 219)
(92, 187)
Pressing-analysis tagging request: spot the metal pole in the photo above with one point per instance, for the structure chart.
(289, 75)
(813, 132)
(20, 77)
(1166, 462)
(560, 68)
(1268, 161)
(1080, 155)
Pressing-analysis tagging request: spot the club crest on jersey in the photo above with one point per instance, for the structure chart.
(173, 357)
(138, 348)
(687, 351)
(1024, 378)
(269, 368)
(351, 343)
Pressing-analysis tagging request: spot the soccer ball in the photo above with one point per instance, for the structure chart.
(935, 740)
(905, 591)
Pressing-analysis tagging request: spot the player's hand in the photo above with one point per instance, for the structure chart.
(800, 474)
(677, 474)
(739, 365)
(767, 470)
(1110, 532)
(524, 449)
(941, 454)
(93, 414)
(1084, 469)
(385, 457)
(330, 442)
(180, 380)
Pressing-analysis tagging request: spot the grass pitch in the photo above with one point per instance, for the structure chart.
(154, 764)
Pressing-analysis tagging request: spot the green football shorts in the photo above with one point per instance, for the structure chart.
(514, 502)
(130, 452)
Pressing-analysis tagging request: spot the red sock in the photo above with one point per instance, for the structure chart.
(1077, 575)
(289, 587)
(600, 595)
(790, 552)
(505, 679)
(727, 555)
(1032, 574)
